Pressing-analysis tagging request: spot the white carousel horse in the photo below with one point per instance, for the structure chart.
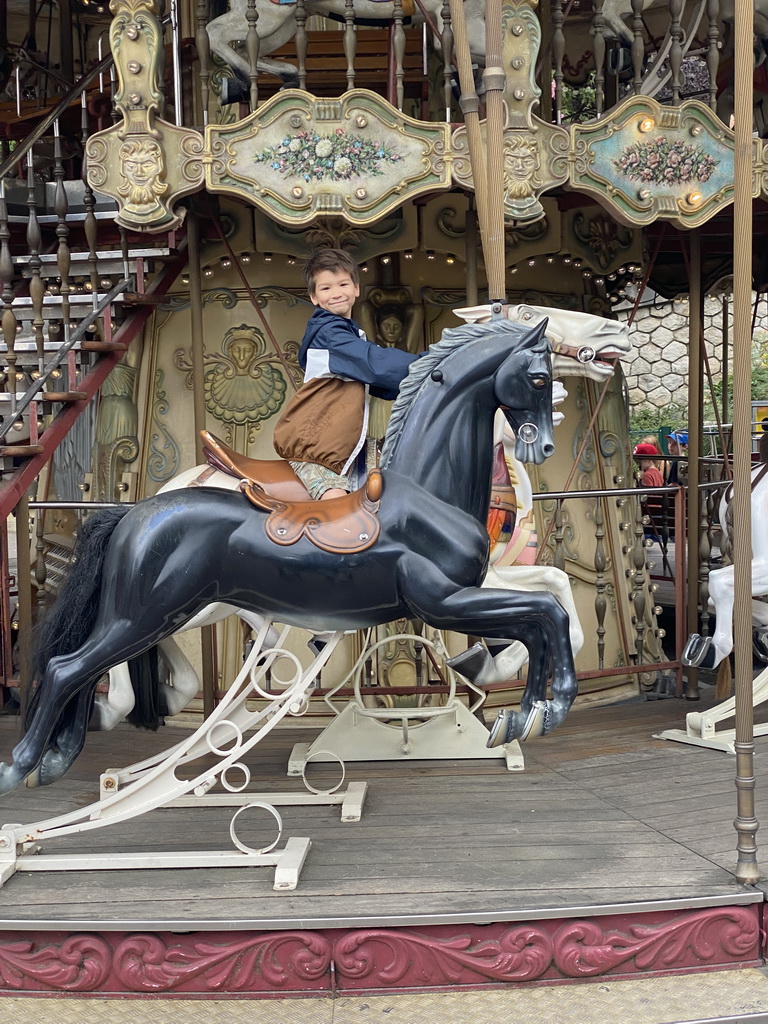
(712, 651)
(277, 24)
(584, 345)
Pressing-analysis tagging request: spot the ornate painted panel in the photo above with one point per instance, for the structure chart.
(647, 161)
(299, 156)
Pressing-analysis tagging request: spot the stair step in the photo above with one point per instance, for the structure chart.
(23, 308)
(23, 450)
(63, 396)
(109, 262)
(103, 346)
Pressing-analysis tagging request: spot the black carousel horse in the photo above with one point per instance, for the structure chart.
(141, 573)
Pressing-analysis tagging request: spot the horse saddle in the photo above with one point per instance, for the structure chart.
(341, 526)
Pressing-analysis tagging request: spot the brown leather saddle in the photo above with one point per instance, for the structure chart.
(340, 525)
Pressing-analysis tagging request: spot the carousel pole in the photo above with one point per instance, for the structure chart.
(198, 413)
(695, 392)
(494, 81)
(746, 824)
(470, 106)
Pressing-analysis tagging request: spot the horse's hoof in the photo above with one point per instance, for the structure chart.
(760, 645)
(519, 725)
(10, 778)
(475, 664)
(699, 652)
(53, 766)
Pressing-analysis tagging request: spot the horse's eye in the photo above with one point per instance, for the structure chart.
(539, 382)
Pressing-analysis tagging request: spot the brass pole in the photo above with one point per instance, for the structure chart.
(494, 80)
(695, 390)
(724, 362)
(470, 106)
(746, 824)
(198, 412)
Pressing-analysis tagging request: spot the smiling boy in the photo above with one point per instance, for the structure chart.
(322, 429)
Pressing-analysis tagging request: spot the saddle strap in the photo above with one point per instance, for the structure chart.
(341, 526)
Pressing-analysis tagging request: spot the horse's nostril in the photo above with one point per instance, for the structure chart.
(549, 449)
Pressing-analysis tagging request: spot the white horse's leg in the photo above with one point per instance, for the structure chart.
(112, 707)
(183, 683)
(721, 594)
(276, 25)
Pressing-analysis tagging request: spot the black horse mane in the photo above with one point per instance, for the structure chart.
(421, 369)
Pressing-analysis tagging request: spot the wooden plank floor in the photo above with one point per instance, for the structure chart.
(602, 815)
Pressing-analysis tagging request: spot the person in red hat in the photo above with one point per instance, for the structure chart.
(650, 476)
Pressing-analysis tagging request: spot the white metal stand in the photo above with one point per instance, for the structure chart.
(359, 733)
(154, 783)
(700, 726)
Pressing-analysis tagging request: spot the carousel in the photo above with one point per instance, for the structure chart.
(402, 738)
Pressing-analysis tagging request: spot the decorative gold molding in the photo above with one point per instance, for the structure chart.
(144, 163)
(535, 152)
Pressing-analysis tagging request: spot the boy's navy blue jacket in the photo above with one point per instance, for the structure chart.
(326, 420)
(333, 344)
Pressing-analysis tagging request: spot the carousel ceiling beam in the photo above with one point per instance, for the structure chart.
(746, 824)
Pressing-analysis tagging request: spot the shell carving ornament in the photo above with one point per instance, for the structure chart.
(143, 162)
(381, 959)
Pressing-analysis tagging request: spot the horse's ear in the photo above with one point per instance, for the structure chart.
(537, 336)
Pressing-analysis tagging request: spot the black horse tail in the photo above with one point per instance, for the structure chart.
(72, 617)
(149, 709)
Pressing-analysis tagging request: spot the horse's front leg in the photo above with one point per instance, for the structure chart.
(535, 619)
(500, 660)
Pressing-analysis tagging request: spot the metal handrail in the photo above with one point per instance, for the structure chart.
(35, 388)
(64, 103)
(76, 90)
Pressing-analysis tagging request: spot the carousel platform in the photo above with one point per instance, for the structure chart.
(609, 857)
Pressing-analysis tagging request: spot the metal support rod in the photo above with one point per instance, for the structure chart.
(746, 825)
(178, 92)
(695, 384)
(494, 80)
(470, 106)
(724, 361)
(198, 408)
(24, 587)
(470, 252)
(6, 659)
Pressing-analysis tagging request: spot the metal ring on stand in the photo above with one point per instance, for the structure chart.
(334, 757)
(243, 847)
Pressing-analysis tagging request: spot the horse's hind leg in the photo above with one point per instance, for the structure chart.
(67, 740)
(63, 703)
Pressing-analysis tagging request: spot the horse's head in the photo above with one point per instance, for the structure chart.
(583, 345)
(523, 389)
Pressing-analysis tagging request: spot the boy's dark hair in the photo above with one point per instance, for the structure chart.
(328, 259)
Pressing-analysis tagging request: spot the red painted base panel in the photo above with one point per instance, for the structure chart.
(368, 960)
